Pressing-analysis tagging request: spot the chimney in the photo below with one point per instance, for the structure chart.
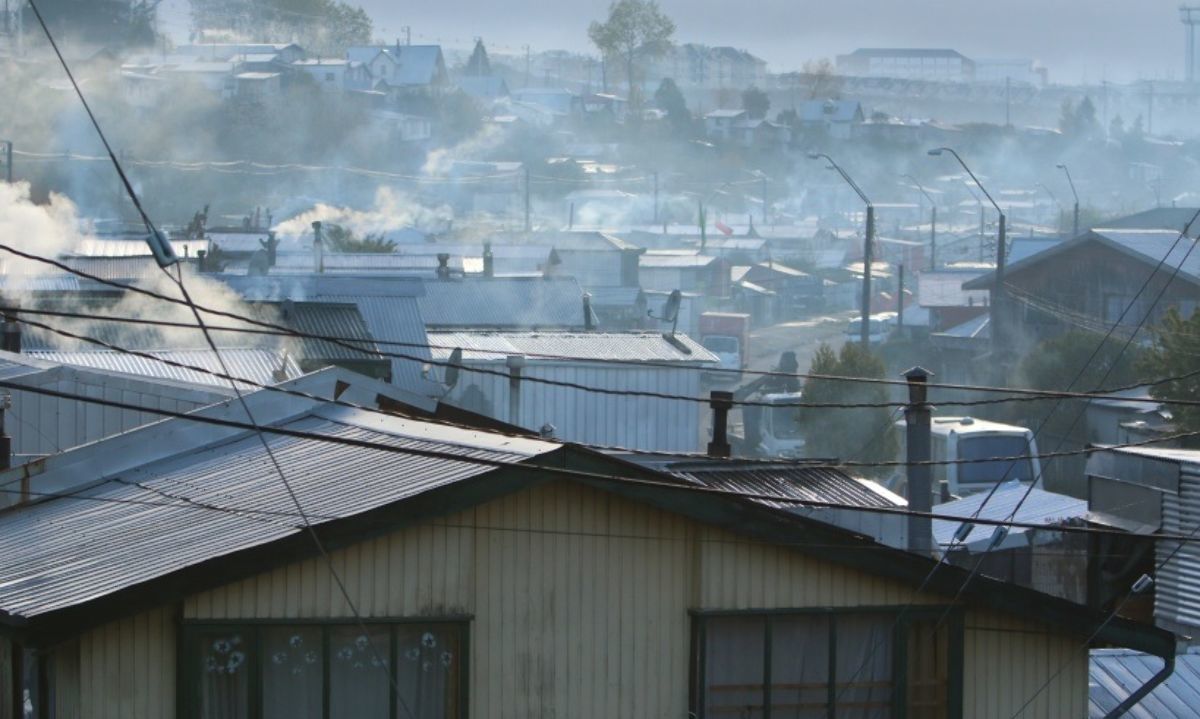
(287, 307)
(515, 364)
(272, 248)
(201, 261)
(721, 403)
(318, 249)
(12, 334)
(443, 268)
(5, 440)
(920, 494)
(588, 318)
(489, 261)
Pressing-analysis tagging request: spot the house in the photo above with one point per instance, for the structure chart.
(934, 65)
(837, 118)
(260, 366)
(941, 292)
(722, 124)
(260, 86)
(404, 127)
(613, 362)
(505, 303)
(695, 66)
(738, 128)
(797, 292)
(282, 53)
(558, 104)
(1099, 279)
(403, 71)
(684, 270)
(335, 74)
(443, 572)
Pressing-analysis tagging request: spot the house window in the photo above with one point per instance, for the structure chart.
(318, 670)
(860, 664)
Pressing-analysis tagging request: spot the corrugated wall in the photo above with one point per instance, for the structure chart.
(1178, 583)
(592, 418)
(125, 670)
(580, 603)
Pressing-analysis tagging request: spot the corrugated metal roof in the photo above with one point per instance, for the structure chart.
(1040, 507)
(578, 346)
(63, 552)
(650, 261)
(517, 302)
(326, 319)
(388, 305)
(123, 268)
(255, 364)
(132, 247)
(814, 484)
(1114, 674)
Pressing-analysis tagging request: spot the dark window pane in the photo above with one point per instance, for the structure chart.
(292, 673)
(863, 671)
(733, 682)
(224, 674)
(428, 665)
(359, 671)
(928, 670)
(800, 667)
(986, 463)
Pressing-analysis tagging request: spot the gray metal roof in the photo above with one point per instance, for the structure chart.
(1114, 674)
(62, 552)
(1040, 507)
(256, 364)
(577, 346)
(815, 484)
(514, 302)
(327, 319)
(388, 305)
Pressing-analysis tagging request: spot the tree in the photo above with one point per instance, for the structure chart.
(635, 29)
(756, 103)
(824, 82)
(858, 434)
(342, 239)
(324, 26)
(1079, 120)
(1176, 353)
(1116, 128)
(670, 100)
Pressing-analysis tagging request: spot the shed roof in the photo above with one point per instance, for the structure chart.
(578, 346)
(256, 364)
(1012, 501)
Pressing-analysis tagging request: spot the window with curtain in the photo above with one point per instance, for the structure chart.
(336, 670)
(808, 664)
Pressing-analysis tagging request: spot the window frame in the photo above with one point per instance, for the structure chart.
(188, 677)
(906, 616)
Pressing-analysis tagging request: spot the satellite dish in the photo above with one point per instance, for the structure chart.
(670, 311)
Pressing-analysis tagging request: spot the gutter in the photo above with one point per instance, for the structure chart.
(1144, 690)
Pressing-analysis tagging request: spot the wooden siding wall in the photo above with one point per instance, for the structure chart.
(580, 602)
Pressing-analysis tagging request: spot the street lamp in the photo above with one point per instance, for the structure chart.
(932, 221)
(868, 246)
(1001, 248)
(1063, 167)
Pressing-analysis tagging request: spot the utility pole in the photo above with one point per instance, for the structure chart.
(764, 199)
(933, 238)
(407, 34)
(1071, 182)
(1008, 102)
(528, 222)
(868, 245)
(8, 155)
(527, 66)
(900, 299)
(656, 197)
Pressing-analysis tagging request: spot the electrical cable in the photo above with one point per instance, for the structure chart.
(560, 472)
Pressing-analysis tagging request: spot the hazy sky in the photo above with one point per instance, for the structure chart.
(1090, 40)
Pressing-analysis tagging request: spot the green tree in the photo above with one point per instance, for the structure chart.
(670, 100)
(634, 30)
(323, 26)
(756, 103)
(854, 434)
(1175, 352)
(339, 238)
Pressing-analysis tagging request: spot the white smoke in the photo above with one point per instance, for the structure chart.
(46, 230)
(393, 210)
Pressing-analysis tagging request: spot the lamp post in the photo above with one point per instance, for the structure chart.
(1053, 197)
(868, 246)
(932, 221)
(1075, 227)
(997, 301)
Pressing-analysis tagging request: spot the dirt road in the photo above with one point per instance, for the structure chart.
(802, 337)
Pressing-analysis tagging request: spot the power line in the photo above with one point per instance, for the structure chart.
(812, 464)
(559, 472)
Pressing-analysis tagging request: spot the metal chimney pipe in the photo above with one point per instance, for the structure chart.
(12, 334)
(5, 440)
(588, 323)
(318, 248)
(443, 268)
(721, 402)
(918, 425)
(515, 364)
(489, 261)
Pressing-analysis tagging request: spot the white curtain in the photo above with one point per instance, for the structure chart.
(359, 673)
(863, 671)
(428, 662)
(292, 673)
(224, 675)
(800, 667)
(733, 681)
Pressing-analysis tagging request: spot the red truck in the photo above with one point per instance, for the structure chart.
(727, 335)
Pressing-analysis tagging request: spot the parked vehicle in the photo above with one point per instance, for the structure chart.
(771, 431)
(881, 325)
(727, 335)
(991, 453)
